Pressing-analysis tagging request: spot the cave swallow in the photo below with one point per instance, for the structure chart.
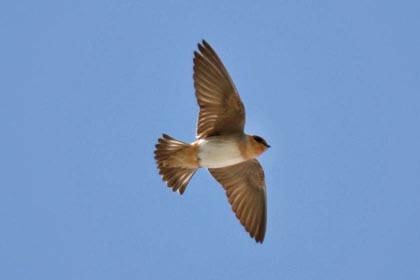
(221, 146)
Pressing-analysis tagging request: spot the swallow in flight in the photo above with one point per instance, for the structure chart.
(221, 146)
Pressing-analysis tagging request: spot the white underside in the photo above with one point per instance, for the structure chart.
(214, 153)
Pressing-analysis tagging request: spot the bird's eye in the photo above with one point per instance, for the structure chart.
(258, 139)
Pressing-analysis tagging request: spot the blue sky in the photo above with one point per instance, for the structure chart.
(88, 86)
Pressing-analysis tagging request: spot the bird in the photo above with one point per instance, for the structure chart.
(221, 145)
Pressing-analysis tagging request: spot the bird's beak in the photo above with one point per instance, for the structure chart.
(268, 146)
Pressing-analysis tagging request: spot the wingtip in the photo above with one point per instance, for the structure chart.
(203, 45)
(259, 240)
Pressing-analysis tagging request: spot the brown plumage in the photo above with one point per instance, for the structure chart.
(173, 171)
(222, 146)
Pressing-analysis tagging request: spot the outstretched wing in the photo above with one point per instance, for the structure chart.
(244, 185)
(221, 108)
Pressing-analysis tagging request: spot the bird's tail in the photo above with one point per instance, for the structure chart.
(177, 162)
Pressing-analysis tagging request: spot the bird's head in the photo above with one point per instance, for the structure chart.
(259, 144)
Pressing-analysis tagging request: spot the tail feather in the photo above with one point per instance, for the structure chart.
(174, 174)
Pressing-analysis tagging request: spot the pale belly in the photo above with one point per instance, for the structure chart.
(214, 153)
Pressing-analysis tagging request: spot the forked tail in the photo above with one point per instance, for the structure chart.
(172, 158)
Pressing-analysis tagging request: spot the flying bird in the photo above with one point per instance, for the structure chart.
(221, 146)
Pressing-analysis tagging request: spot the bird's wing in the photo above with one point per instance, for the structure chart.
(221, 108)
(244, 185)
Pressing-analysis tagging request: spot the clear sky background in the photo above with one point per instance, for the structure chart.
(88, 86)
